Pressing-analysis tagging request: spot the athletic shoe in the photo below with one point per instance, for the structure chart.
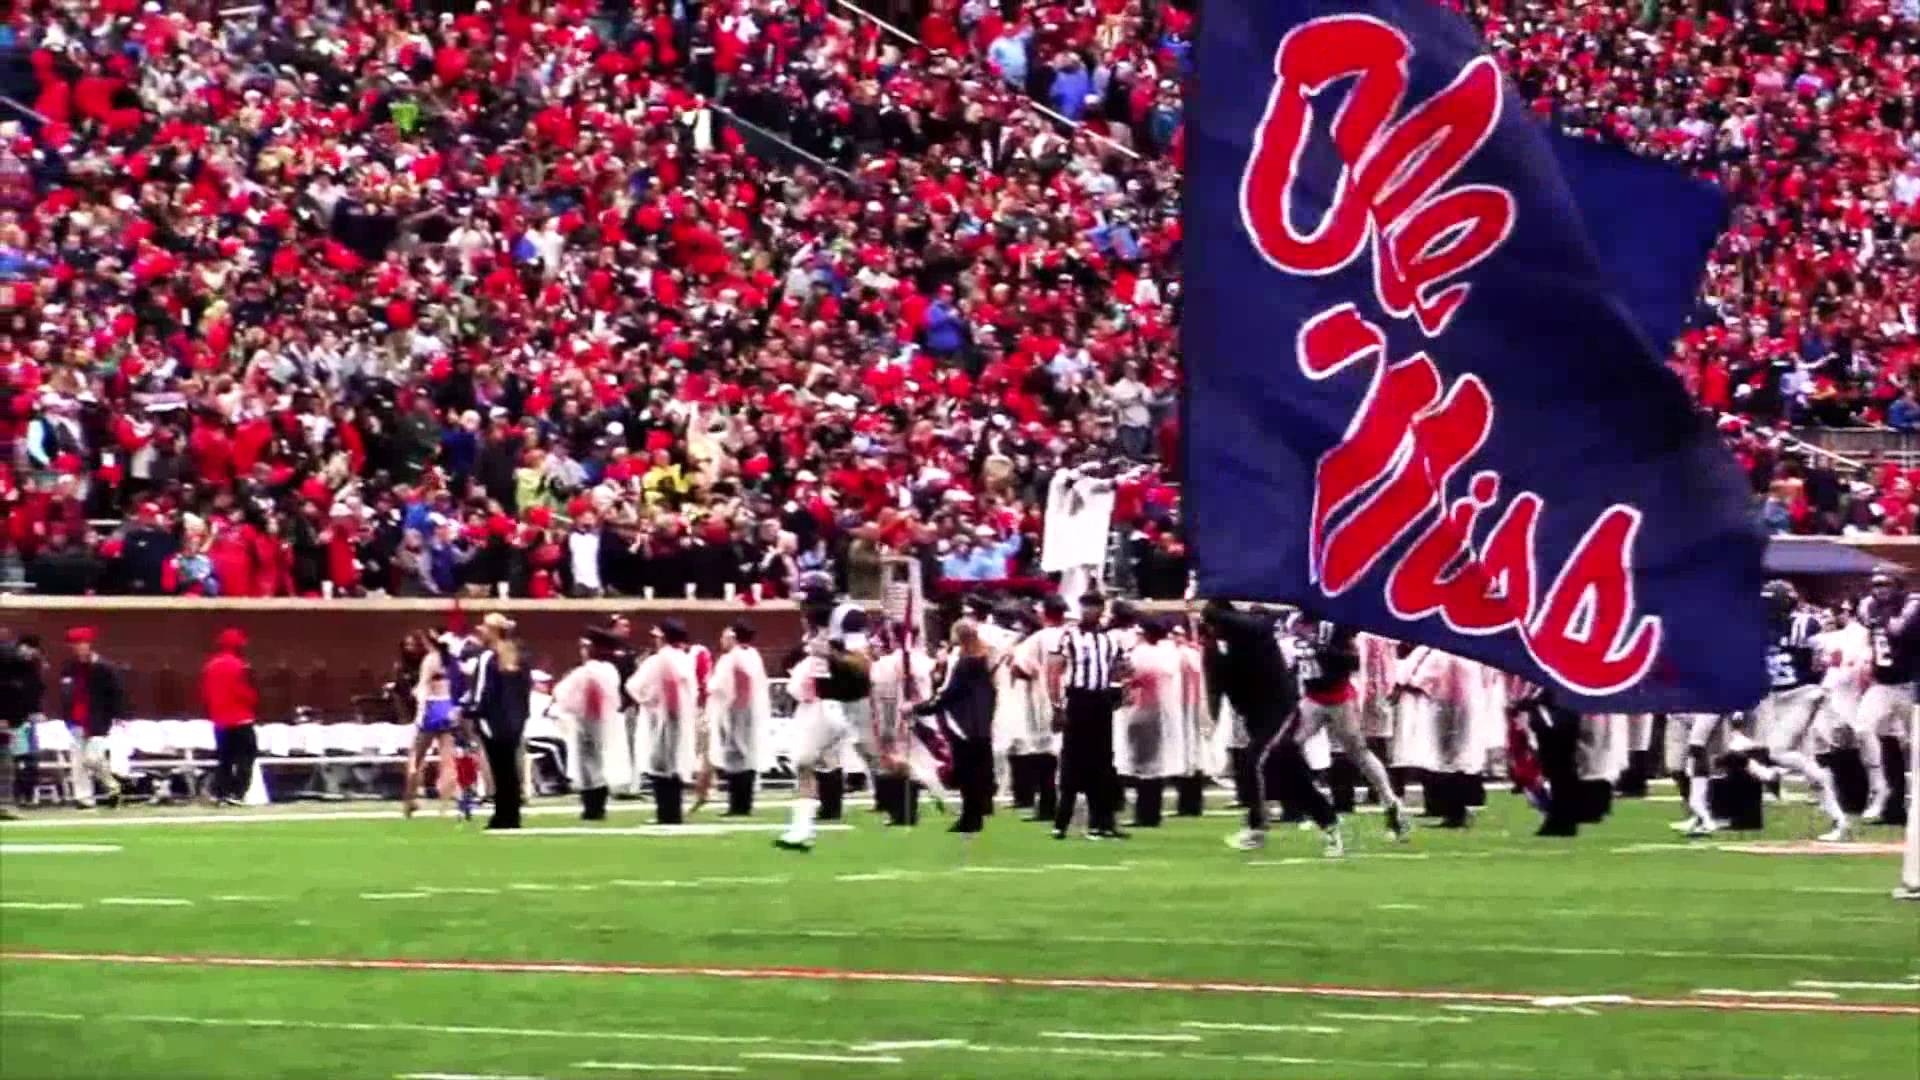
(1248, 840)
(1683, 825)
(1703, 827)
(1398, 825)
(228, 800)
(1059, 834)
(1336, 844)
(1839, 834)
(1875, 810)
(112, 802)
(792, 843)
(1116, 834)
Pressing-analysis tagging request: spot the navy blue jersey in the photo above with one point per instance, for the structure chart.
(1790, 657)
(1328, 658)
(1891, 628)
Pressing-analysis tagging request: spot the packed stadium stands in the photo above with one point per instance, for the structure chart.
(576, 298)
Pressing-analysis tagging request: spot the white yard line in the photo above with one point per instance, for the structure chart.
(271, 816)
(432, 1029)
(247, 898)
(654, 1067)
(909, 1044)
(1285, 1029)
(58, 849)
(457, 890)
(1399, 907)
(883, 875)
(1089, 868)
(393, 896)
(1810, 995)
(1837, 890)
(834, 1059)
(1111, 1036)
(1394, 1018)
(39, 905)
(466, 1076)
(1817, 984)
(1503, 1010)
(145, 901)
(1001, 870)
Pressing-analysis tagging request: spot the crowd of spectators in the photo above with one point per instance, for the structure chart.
(574, 297)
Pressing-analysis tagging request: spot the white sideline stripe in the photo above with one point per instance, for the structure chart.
(146, 901)
(1817, 984)
(58, 849)
(457, 890)
(1001, 870)
(1304, 1029)
(1090, 867)
(1838, 890)
(1507, 1010)
(1399, 907)
(246, 898)
(277, 817)
(532, 886)
(911, 1044)
(426, 1029)
(659, 830)
(1394, 1018)
(1072, 1051)
(841, 1059)
(653, 1066)
(393, 896)
(1818, 995)
(883, 875)
(1103, 1036)
(40, 905)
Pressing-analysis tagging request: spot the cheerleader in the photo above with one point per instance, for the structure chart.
(435, 718)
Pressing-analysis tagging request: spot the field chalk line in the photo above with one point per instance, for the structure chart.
(928, 978)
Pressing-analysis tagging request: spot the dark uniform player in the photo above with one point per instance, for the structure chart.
(1794, 696)
(1884, 720)
(1329, 657)
(1244, 666)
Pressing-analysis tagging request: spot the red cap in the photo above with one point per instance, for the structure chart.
(232, 639)
(81, 635)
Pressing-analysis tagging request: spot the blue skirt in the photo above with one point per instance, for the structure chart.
(438, 717)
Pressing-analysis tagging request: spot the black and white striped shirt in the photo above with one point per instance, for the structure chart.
(1090, 656)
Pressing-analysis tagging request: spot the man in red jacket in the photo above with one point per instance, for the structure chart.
(226, 685)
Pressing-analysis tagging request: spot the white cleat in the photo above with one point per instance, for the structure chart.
(1703, 827)
(1398, 825)
(1839, 834)
(1683, 825)
(1336, 844)
(1248, 840)
(1875, 809)
(793, 842)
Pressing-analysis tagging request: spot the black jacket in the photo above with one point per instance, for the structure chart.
(23, 684)
(497, 698)
(106, 700)
(967, 699)
(1244, 665)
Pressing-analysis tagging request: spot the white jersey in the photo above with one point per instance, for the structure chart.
(667, 688)
(1029, 663)
(740, 712)
(1149, 721)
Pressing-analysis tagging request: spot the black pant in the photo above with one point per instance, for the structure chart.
(234, 750)
(1279, 769)
(973, 775)
(1556, 734)
(1086, 760)
(502, 743)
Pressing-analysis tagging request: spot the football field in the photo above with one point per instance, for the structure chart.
(344, 942)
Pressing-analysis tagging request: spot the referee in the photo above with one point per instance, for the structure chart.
(1083, 679)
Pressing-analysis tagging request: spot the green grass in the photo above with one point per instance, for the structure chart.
(1490, 909)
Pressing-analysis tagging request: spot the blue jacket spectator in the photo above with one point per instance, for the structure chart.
(1008, 52)
(1071, 85)
(946, 330)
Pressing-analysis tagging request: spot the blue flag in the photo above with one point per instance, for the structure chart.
(1424, 341)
